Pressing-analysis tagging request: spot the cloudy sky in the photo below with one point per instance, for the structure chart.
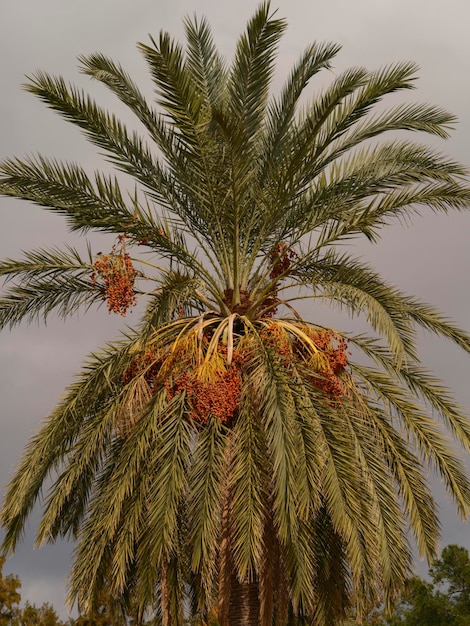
(430, 258)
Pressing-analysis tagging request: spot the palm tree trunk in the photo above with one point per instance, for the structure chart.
(247, 602)
(166, 611)
(225, 569)
(239, 602)
(274, 592)
(267, 574)
(244, 605)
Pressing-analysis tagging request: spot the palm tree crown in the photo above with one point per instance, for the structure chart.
(227, 448)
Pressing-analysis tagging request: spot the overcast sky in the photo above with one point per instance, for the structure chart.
(430, 259)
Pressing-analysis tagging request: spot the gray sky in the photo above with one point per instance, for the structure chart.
(430, 259)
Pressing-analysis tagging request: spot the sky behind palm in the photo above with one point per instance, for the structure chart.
(429, 258)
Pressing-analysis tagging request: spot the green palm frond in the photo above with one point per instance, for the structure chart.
(178, 294)
(251, 73)
(48, 449)
(282, 110)
(204, 62)
(111, 74)
(277, 409)
(290, 177)
(198, 156)
(330, 555)
(127, 151)
(69, 191)
(46, 263)
(409, 117)
(248, 485)
(167, 483)
(352, 284)
(46, 280)
(177, 93)
(407, 474)
(375, 86)
(207, 476)
(430, 318)
(129, 461)
(41, 296)
(422, 383)
(424, 434)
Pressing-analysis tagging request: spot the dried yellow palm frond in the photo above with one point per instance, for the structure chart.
(211, 369)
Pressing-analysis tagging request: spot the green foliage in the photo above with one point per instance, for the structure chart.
(446, 599)
(453, 571)
(421, 603)
(104, 613)
(9, 596)
(11, 614)
(227, 456)
(442, 601)
(45, 615)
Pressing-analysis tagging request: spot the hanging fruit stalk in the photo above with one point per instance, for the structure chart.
(115, 275)
(213, 389)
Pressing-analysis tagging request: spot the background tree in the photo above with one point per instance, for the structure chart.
(10, 596)
(444, 600)
(452, 570)
(11, 614)
(440, 601)
(44, 615)
(225, 447)
(421, 603)
(372, 617)
(107, 612)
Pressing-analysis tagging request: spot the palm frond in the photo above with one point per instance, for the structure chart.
(251, 72)
(424, 434)
(249, 489)
(128, 152)
(430, 318)
(111, 74)
(423, 384)
(40, 297)
(303, 136)
(49, 448)
(330, 605)
(167, 472)
(271, 387)
(282, 110)
(207, 478)
(44, 281)
(177, 295)
(373, 170)
(204, 62)
(350, 283)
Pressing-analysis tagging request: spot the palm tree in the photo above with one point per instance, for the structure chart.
(227, 457)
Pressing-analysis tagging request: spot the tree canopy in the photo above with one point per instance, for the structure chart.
(442, 600)
(229, 455)
(9, 595)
